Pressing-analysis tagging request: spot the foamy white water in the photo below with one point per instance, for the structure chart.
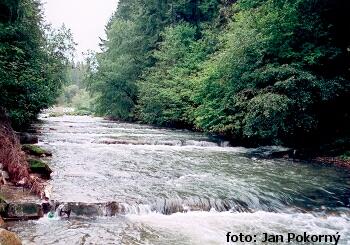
(179, 187)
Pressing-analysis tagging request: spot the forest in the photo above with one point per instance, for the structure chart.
(254, 71)
(34, 59)
(188, 122)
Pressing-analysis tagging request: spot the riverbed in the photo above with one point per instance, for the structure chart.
(179, 187)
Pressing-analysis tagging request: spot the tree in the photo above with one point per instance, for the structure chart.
(276, 73)
(166, 88)
(133, 34)
(32, 61)
(255, 71)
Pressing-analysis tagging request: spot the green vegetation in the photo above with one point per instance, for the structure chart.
(133, 33)
(255, 71)
(345, 156)
(39, 167)
(74, 94)
(35, 163)
(33, 60)
(35, 150)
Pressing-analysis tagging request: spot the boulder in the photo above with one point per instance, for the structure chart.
(112, 208)
(40, 167)
(87, 209)
(35, 150)
(9, 238)
(26, 138)
(91, 209)
(270, 152)
(46, 206)
(23, 211)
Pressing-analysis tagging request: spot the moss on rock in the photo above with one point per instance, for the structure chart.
(39, 167)
(35, 150)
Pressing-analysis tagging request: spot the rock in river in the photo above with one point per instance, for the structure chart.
(9, 238)
(35, 150)
(40, 167)
(26, 138)
(23, 211)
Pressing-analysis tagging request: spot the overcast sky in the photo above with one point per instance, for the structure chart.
(86, 19)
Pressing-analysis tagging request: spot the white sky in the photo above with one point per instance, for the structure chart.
(86, 19)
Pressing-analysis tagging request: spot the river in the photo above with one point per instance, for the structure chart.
(179, 187)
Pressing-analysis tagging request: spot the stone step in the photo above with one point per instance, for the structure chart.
(21, 211)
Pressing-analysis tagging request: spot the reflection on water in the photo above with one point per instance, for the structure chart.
(183, 174)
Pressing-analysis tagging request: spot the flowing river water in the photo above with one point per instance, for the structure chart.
(179, 187)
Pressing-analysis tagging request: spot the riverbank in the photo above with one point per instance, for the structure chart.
(22, 181)
(157, 170)
(331, 155)
(335, 153)
(16, 167)
(337, 161)
(305, 156)
(157, 182)
(340, 159)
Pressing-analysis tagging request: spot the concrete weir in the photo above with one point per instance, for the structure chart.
(28, 211)
(35, 210)
(20, 211)
(17, 203)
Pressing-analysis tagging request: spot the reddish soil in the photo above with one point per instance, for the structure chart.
(333, 160)
(14, 160)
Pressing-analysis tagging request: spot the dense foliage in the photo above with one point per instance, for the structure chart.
(33, 60)
(74, 94)
(256, 71)
(133, 34)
